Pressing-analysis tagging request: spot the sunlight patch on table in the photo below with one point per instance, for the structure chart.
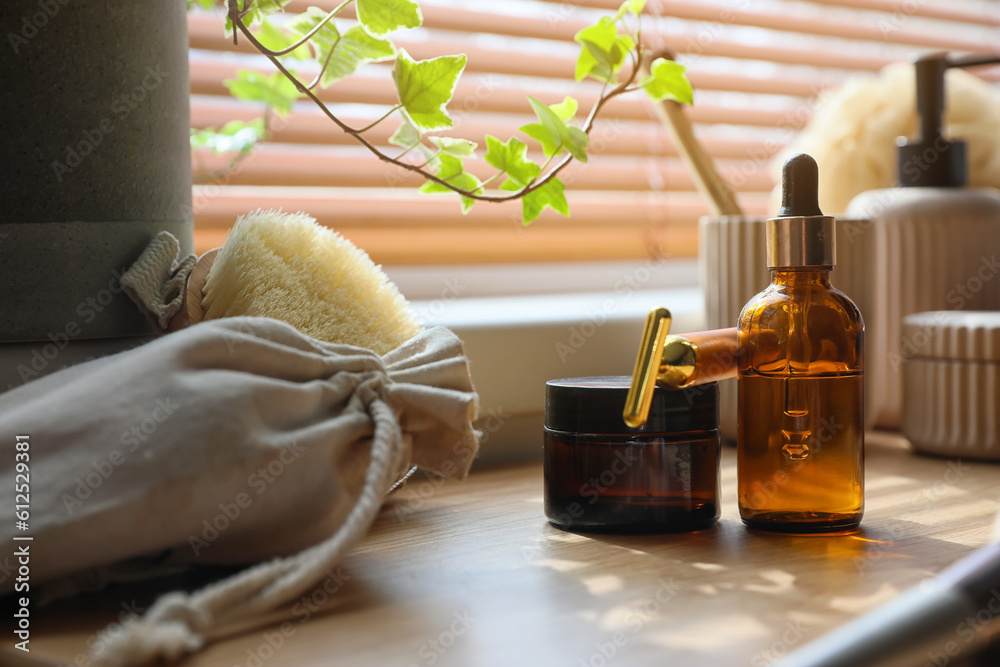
(860, 604)
(604, 584)
(708, 634)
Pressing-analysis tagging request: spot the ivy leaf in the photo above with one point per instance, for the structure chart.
(408, 137)
(405, 136)
(586, 64)
(425, 87)
(596, 40)
(268, 7)
(551, 194)
(624, 44)
(276, 91)
(325, 39)
(602, 34)
(236, 135)
(604, 50)
(356, 48)
(550, 145)
(342, 54)
(510, 158)
(202, 138)
(553, 133)
(550, 131)
(383, 16)
(453, 171)
(276, 39)
(576, 143)
(566, 109)
(258, 10)
(667, 81)
(633, 7)
(459, 148)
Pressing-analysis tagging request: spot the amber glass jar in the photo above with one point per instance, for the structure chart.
(602, 476)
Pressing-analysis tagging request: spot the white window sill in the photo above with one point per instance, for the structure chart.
(515, 343)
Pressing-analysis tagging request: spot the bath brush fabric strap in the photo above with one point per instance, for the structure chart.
(156, 281)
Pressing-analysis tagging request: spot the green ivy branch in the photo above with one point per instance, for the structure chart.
(425, 87)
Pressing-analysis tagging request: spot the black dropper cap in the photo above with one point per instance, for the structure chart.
(800, 235)
(799, 187)
(931, 161)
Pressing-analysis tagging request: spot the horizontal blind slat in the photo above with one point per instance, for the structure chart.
(988, 16)
(284, 164)
(399, 209)
(477, 92)
(204, 34)
(609, 137)
(307, 125)
(452, 245)
(450, 17)
(786, 22)
(933, 10)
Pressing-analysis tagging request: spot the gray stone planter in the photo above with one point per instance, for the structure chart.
(96, 160)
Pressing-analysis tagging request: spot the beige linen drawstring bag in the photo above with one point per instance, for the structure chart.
(238, 440)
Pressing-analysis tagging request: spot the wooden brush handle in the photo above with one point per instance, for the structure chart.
(698, 358)
(191, 311)
(718, 353)
(706, 178)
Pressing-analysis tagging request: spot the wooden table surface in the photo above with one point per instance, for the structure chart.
(471, 574)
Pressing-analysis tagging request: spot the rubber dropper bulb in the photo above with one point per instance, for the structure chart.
(799, 187)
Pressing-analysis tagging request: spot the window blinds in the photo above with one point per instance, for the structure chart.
(757, 68)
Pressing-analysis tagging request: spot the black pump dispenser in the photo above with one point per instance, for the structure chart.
(933, 161)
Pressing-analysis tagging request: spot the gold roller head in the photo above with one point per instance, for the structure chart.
(677, 362)
(647, 367)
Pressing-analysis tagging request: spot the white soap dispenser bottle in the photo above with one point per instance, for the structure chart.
(936, 241)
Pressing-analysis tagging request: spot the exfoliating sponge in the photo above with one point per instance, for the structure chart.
(287, 267)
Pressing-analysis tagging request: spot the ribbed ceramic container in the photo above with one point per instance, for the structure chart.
(733, 263)
(936, 249)
(951, 383)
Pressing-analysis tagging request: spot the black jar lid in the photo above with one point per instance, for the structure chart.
(595, 405)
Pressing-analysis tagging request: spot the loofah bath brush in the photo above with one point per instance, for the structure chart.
(287, 267)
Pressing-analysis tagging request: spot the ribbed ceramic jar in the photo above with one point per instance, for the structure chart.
(733, 264)
(936, 249)
(951, 383)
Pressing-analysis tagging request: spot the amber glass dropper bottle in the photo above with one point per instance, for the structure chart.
(800, 446)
